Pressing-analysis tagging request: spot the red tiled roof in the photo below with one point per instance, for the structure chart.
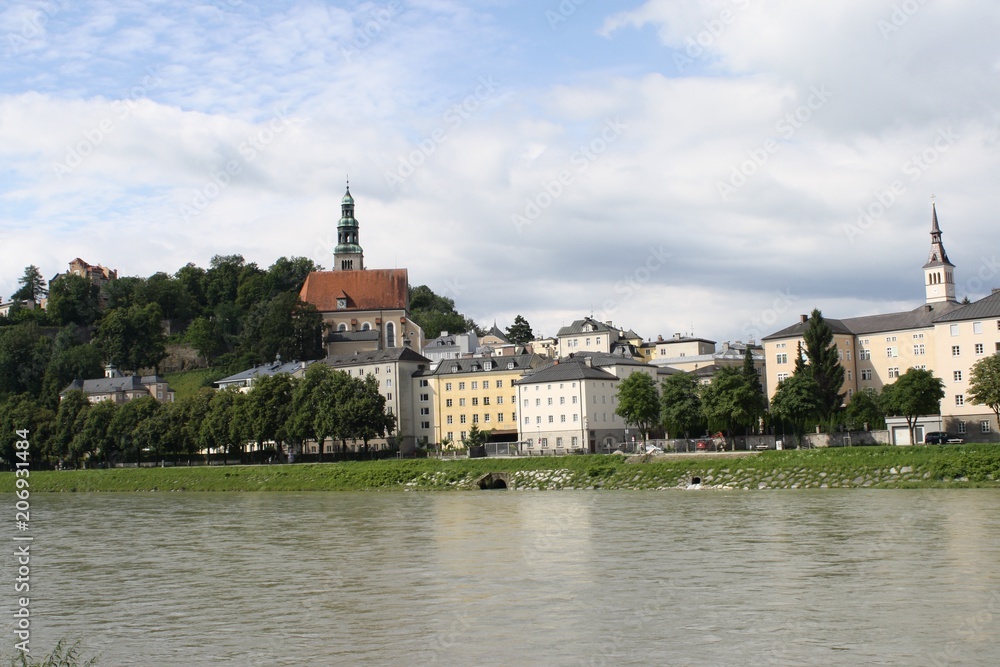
(372, 289)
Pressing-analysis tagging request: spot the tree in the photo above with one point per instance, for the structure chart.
(680, 405)
(864, 412)
(170, 295)
(24, 355)
(309, 400)
(205, 335)
(133, 338)
(284, 325)
(97, 439)
(435, 314)
(223, 427)
(365, 416)
(639, 402)
(71, 359)
(796, 400)
(269, 409)
(27, 413)
(984, 384)
(520, 332)
(127, 424)
(824, 364)
(73, 300)
(475, 437)
(917, 392)
(754, 398)
(32, 285)
(731, 400)
(290, 274)
(70, 420)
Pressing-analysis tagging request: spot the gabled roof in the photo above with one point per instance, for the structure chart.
(390, 354)
(577, 327)
(988, 306)
(372, 289)
(919, 318)
(565, 370)
(272, 368)
(478, 364)
(797, 329)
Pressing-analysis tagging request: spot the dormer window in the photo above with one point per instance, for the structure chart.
(454, 369)
(488, 365)
(510, 365)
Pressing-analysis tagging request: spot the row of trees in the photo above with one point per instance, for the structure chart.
(280, 411)
(811, 395)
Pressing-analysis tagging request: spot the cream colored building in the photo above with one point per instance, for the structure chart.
(590, 335)
(941, 335)
(460, 393)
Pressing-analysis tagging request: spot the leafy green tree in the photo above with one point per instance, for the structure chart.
(205, 335)
(269, 410)
(224, 428)
(133, 338)
(435, 314)
(730, 401)
(314, 406)
(984, 384)
(71, 359)
(520, 332)
(284, 325)
(98, 438)
(222, 280)
(123, 292)
(365, 416)
(73, 300)
(193, 279)
(476, 437)
(32, 285)
(170, 294)
(127, 424)
(824, 364)
(24, 355)
(756, 400)
(639, 402)
(796, 401)
(289, 274)
(916, 393)
(864, 411)
(25, 412)
(191, 412)
(680, 405)
(70, 419)
(332, 397)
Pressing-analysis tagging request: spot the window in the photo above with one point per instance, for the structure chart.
(486, 384)
(451, 435)
(959, 399)
(894, 372)
(450, 419)
(957, 375)
(475, 384)
(977, 327)
(550, 400)
(956, 351)
(525, 402)
(961, 427)
(486, 417)
(980, 349)
(423, 383)
(487, 366)
(562, 419)
(527, 420)
(918, 350)
(499, 400)
(576, 417)
(425, 411)
(461, 402)
(538, 419)
(850, 375)
(475, 419)
(461, 386)
(510, 365)
(486, 400)
(425, 425)
(461, 419)
(551, 419)
(892, 352)
(890, 339)
(559, 442)
(574, 400)
(499, 416)
(425, 397)
(783, 358)
(543, 442)
(499, 384)
(388, 382)
(447, 386)
(866, 374)
(574, 441)
(475, 401)
(531, 443)
(848, 352)
(538, 402)
(864, 354)
(782, 377)
(447, 402)
(341, 327)
(917, 335)
(984, 426)
(464, 434)
(390, 334)
(954, 329)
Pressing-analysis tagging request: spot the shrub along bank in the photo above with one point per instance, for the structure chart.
(880, 467)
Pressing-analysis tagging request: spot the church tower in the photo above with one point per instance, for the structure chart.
(348, 256)
(939, 279)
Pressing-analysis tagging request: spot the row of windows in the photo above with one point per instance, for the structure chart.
(448, 402)
(984, 427)
(562, 401)
(475, 385)
(462, 419)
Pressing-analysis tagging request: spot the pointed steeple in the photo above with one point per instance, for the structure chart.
(939, 278)
(348, 255)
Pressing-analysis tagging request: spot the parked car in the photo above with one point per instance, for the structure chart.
(942, 437)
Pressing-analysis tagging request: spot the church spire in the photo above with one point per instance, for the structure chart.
(939, 278)
(348, 255)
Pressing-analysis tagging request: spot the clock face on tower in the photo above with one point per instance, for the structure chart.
(934, 291)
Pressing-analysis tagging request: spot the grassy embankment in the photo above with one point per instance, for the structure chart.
(187, 383)
(879, 467)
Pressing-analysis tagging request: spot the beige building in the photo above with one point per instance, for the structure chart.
(590, 335)
(478, 390)
(119, 388)
(941, 335)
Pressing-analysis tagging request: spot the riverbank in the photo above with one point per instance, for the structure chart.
(879, 467)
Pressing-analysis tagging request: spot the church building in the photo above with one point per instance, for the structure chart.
(363, 310)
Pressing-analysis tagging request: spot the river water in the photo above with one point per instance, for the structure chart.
(852, 577)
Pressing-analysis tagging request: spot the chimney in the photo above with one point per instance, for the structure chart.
(803, 318)
(994, 290)
(659, 339)
(677, 336)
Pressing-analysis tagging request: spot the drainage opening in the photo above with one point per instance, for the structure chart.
(695, 480)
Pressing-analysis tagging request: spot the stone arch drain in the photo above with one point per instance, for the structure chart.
(494, 480)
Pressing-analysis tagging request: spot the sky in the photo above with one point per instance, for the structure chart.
(705, 167)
